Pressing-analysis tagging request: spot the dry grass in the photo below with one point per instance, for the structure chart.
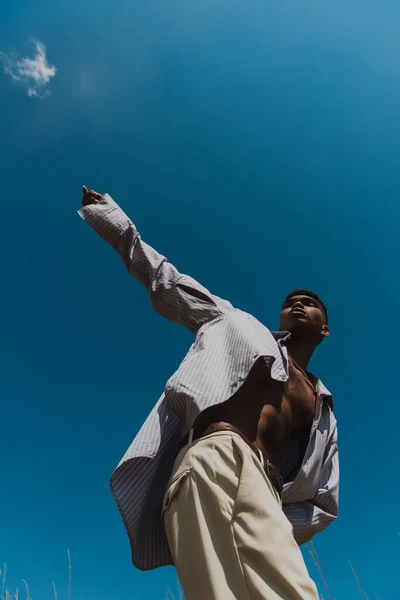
(314, 556)
(7, 594)
(170, 596)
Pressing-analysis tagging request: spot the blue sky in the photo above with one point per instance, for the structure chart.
(256, 144)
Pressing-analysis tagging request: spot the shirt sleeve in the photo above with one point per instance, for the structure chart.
(309, 517)
(176, 297)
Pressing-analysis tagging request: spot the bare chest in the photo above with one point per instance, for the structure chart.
(301, 395)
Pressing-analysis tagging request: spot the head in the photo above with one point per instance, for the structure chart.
(305, 316)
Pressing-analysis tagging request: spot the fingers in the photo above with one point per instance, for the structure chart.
(90, 197)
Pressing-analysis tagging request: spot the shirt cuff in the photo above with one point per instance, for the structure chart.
(106, 218)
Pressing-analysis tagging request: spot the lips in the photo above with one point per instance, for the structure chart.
(297, 312)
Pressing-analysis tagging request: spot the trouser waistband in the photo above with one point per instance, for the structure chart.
(271, 470)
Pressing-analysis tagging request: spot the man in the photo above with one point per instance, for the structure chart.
(237, 463)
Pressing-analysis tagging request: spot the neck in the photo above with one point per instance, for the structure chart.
(300, 351)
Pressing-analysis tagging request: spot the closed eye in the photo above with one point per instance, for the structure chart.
(309, 302)
(305, 301)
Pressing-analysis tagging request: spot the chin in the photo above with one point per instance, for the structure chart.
(299, 329)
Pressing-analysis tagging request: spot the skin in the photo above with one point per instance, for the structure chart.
(89, 197)
(305, 319)
(267, 411)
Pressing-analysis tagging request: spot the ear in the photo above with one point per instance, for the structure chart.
(326, 332)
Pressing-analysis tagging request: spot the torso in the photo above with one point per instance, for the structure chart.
(267, 411)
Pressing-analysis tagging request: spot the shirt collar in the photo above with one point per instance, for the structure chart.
(283, 336)
(325, 394)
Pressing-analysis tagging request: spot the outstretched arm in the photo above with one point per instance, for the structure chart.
(309, 517)
(175, 296)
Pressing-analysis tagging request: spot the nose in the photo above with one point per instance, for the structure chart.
(298, 304)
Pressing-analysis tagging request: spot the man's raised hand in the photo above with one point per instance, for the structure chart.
(90, 197)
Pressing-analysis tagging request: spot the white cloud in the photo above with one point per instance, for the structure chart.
(33, 73)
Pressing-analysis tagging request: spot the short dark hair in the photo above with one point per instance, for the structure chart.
(311, 294)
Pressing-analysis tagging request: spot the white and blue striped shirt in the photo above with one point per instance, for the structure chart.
(228, 342)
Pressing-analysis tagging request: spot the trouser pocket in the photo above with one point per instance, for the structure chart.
(173, 488)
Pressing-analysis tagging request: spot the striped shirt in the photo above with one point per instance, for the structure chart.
(228, 342)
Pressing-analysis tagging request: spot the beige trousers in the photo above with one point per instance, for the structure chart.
(228, 535)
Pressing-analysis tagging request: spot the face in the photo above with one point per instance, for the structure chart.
(304, 316)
